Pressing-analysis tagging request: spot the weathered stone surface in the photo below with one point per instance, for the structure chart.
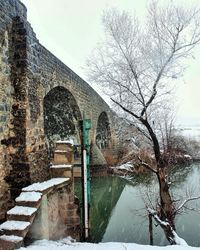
(41, 100)
(8, 245)
(52, 220)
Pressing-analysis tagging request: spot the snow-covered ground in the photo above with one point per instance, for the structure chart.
(66, 244)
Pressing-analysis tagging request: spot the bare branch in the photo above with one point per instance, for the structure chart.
(185, 202)
(125, 109)
(146, 165)
(142, 131)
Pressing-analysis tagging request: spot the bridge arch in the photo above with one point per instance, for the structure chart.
(61, 116)
(103, 131)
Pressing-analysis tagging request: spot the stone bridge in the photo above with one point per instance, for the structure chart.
(41, 100)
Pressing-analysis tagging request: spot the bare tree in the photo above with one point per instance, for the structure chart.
(136, 66)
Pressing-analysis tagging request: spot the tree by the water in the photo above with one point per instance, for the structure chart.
(137, 66)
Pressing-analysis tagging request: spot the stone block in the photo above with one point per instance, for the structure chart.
(61, 172)
(21, 217)
(62, 157)
(3, 118)
(3, 107)
(72, 206)
(9, 245)
(74, 232)
(20, 233)
(77, 172)
(72, 221)
(35, 204)
(71, 212)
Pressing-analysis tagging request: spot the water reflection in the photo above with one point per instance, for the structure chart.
(118, 214)
(179, 174)
(105, 192)
(105, 195)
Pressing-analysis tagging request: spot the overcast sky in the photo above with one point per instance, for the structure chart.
(70, 29)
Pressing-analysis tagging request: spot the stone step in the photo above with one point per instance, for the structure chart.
(13, 227)
(64, 153)
(22, 213)
(62, 170)
(45, 186)
(62, 166)
(29, 199)
(59, 151)
(10, 242)
(64, 145)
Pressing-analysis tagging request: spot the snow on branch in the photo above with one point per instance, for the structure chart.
(157, 219)
(186, 201)
(174, 238)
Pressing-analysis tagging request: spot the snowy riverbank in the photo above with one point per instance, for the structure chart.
(189, 131)
(68, 245)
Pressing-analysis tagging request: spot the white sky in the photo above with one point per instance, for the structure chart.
(70, 29)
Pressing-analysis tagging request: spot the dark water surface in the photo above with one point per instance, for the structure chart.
(118, 214)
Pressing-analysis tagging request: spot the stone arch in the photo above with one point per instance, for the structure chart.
(103, 132)
(61, 117)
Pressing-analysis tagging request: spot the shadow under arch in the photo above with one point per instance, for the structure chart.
(103, 132)
(61, 117)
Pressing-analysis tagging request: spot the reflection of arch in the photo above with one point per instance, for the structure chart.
(103, 135)
(61, 115)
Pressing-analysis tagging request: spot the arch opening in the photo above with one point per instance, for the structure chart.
(103, 132)
(61, 117)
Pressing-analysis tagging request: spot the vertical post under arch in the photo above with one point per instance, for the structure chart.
(86, 125)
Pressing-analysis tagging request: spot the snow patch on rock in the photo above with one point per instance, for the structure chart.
(14, 225)
(61, 166)
(20, 210)
(11, 238)
(41, 186)
(29, 196)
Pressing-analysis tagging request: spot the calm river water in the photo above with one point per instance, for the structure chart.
(118, 214)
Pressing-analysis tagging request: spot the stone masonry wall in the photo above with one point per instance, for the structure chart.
(46, 72)
(28, 72)
(58, 215)
(10, 88)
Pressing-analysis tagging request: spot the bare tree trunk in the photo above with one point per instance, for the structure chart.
(150, 230)
(156, 146)
(166, 208)
(166, 203)
(166, 212)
